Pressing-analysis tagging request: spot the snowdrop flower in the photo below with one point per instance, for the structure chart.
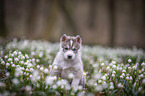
(134, 67)
(13, 65)
(114, 72)
(143, 81)
(55, 67)
(99, 88)
(111, 87)
(91, 82)
(100, 81)
(10, 59)
(7, 74)
(124, 71)
(15, 81)
(37, 60)
(7, 64)
(113, 75)
(70, 75)
(54, 86)
(45, 70)
(143, 64)
(41, 68)
(16, 59)
(114, 66)
(97, 76)
(130, 78)
(28, 88)
(113, 62)
(2, 62)
(129, 68)
(129, 60)
(49, 80)
(6, 57)
(38, 66)
(31, 69)
(15, 52)
(50, 66)
(103, 77)
(120, 85)
(123, 74)
(102, 64)
(127, 78)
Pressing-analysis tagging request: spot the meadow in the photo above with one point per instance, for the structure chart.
(25, 67)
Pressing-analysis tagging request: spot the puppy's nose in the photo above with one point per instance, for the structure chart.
(69, 56)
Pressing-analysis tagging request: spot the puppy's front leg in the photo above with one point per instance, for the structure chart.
(75, 83)
(76, 79)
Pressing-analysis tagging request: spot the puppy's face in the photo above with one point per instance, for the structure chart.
(70, 46)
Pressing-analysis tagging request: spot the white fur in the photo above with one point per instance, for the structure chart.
(71, 53)
(66, 66)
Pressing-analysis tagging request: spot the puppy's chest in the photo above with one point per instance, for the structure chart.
(66, 71)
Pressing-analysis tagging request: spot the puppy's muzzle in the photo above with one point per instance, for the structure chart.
(69, 56)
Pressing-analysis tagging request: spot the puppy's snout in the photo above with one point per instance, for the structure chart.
(69, 56)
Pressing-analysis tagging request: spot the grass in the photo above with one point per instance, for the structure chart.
(25, 66)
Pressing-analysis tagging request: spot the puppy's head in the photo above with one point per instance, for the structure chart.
(70, 46)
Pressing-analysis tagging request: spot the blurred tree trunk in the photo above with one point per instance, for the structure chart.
(92, 14)
(68, 17)
(32, 14)
(112, 22)
(3, 30)
(142, 34)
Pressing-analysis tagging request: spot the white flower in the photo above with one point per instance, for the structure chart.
(103, 77)
(37, 60)
(127, 78)
(15, 52)
(70, 75)
(113, 62)
(38, 66)
(114, 66)
(124, 71)
(10, 59)
(13, 65)
(50, 66)
(129, 68)
(28, 88)
(7, 74)
(113, 75)
(100, 81)
(111, 87)
(129, 60)
(45, 70)
(114, 72)
(102, 64)
(80, 87)
(143, 81)
(41, 68)
(16, 59)
(31, 69)
(123, 74)
(54, 86)
(55, 67)
(130, 78)
(143, 64)
(6, 57)
(120, 85)
(99, 88)
(49, 80)
(7, 64)
(15, 81)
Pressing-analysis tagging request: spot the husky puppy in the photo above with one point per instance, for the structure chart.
(68, 60)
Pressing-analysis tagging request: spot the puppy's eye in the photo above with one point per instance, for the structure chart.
(74, 49)
(66, 48)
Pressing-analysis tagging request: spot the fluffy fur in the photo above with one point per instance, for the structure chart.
(68, 60)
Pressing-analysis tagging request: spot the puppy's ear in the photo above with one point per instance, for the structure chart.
(63, 38)
(78, 39)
